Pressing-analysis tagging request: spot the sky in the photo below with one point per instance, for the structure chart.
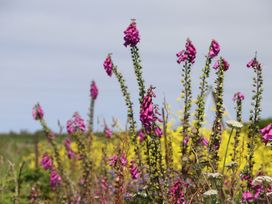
(51, 50)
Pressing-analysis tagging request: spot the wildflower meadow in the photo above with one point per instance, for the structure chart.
(151, 160)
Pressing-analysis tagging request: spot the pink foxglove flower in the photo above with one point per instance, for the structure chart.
(141, 136)
(37, 112)
(214, 49)
(225, 65)
(55, 179)
(158, 131)
(176, 192)
(149, 112)
(185, 140)
(113, 160)
(189, 54)
(123, 159)
(108, 65)
(132, 37)
(108, 132)
(266, 133)
(75, 124)
(238, 96)
(135, 174)
(253, 63)
(104, 183)
(47, 162)
(247, 197)
(93, 90)
(205, 141)
(70, 153)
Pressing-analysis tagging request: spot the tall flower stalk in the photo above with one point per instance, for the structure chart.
(255, 111)
(38, 114)
(237, 98)
(132, 38)
(93, 95)
(188, 56)
(214, 50)
(149, 117)
(108, 65)
(76, 128)
(221, 66)
(167, 142)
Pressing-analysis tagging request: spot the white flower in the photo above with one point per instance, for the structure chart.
(262, 179)
(210, 193)
(234, 124)
(214, 175)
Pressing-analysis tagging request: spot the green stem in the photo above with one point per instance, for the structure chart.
(225, 158)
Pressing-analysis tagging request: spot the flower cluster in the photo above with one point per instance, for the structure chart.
(55, 178)
(267, 133)
(132, 36)
(225, 64)
(238, 96)
(70, 153)
(189, 54)
(47, 162)
(253, 63)
(149, 112)
(37, 112)
(107, 132)
(260, 188)
(214, 49)
(135, 174)
(204, 141)
(75, 124)
(115, 158)
(141, 136)
(93, 90)
(177, 193)
(108, 65)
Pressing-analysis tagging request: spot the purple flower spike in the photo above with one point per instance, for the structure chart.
(253, 64)
(70, 153)
(266, 133)
(247, 197)
(225, 64)
(124, 159)
(47, 162)
(205, 141)
(158, 131)
(55, 179)
(189, 54)
(149, 114)
(108, 65)
(93, 90)
(147, 111)
(113, 160)
(75, 124)
(214, 49)
(141, 136)
(135, 174)
(108, 132)
(37, 112)
(238, 96)
(132, 37)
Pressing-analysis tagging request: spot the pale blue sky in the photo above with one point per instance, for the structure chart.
(51, 50)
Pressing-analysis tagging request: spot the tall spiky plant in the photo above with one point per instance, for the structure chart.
(255, 112)
(188, 56)
(111, 68)
(214, 50)
(221, 66)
